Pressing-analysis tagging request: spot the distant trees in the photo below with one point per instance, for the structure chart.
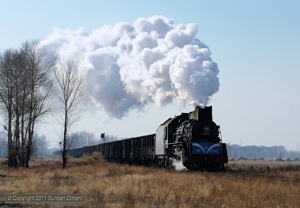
(3, 144)
(82, 139)
(40, 145)
(235, 151)
(68, 93)
(25, 86)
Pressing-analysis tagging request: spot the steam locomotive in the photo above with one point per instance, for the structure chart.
(193, 138)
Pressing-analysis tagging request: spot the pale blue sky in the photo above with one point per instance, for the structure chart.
(255, 43)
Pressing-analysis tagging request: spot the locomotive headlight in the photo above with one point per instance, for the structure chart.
(206, 128)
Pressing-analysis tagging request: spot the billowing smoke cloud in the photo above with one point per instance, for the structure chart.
(126, 66)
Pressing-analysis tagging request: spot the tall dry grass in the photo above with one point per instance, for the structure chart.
(118, 185)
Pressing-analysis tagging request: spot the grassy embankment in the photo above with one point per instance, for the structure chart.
(116, 185)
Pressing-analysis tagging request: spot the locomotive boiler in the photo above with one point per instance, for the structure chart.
(192, 138)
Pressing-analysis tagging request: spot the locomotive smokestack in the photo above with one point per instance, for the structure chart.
(201, 113)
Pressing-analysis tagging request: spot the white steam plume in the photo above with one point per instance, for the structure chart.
(126, 66)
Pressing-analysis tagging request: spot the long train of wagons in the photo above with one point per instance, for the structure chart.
(193, 138)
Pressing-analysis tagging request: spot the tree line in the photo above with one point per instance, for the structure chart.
(260, 152)
(41, 145)
(30, 79)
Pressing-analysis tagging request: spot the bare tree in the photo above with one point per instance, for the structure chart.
(8, 72)
(69, 92)
(39, 67)
(25, 85)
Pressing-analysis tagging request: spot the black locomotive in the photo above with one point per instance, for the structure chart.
(193, 138)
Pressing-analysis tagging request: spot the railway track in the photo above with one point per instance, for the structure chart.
(255, 176)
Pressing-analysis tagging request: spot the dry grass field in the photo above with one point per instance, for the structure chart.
(117, 185)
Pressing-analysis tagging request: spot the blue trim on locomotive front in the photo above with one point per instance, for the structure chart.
(206, 148)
